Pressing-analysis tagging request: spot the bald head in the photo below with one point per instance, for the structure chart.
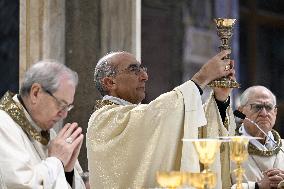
(119, 74)
(106, 67)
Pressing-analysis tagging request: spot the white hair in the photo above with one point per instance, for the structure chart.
(249, 91)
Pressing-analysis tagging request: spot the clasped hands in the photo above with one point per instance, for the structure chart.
(271, 179)
(66, 145)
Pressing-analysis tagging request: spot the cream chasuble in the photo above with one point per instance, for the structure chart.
(128, 144)
(24, 162)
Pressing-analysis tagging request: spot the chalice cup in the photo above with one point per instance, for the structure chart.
(206, 150)
(172, 179)
(239, 153)
(225, 32)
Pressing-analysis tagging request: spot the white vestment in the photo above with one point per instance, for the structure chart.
(24, 161)
(256, 164)
(2, 183)
(128, 144)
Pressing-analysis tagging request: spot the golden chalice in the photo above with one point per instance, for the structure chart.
(225, 32)
(206, 150)
(239, 153)
(171, 179)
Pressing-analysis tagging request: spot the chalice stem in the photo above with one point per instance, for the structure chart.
(239, 176)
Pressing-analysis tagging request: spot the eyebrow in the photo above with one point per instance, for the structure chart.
(266, 103)
(132, 65)
(67, 103)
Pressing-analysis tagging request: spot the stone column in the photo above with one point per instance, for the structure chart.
(42, 32)
(121, 26)
(82, 51)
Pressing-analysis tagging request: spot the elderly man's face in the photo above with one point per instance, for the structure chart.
(52, 107)
(261, 110)
(129, 82)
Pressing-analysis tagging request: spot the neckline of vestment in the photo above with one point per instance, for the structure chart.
(102, 103)
(253, 150)
(16, 112)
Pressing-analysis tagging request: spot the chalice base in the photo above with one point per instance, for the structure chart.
(204, 180)
(224, 82)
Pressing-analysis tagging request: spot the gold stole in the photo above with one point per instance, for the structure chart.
(8, 105)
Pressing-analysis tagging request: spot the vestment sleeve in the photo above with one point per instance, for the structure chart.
(18, 157)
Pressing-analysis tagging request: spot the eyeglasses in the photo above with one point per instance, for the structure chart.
(61, 104)
(134, 68)
(258, 107)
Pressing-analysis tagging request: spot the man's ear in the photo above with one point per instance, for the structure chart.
(34, 92)
(108, 83)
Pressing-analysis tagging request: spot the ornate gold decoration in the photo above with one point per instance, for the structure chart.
(170, 180)
(8, 105)
(239, 153)
(102, 103)
(206, 150)
(226, 123)
(225, 32)
(253, 150)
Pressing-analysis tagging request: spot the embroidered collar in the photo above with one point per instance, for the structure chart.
(16, 112)
(269, 142)
(110, 100)
(116, 100)
(101, 103)
(253, 150)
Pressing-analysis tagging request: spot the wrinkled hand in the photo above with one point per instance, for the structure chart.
(264, 183)
(222, 94)
(213, 69)
(275, 176)
(67, 152)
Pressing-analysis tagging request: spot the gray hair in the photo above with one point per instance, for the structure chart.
(47, 73)
(244, 98)
(104, 68)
